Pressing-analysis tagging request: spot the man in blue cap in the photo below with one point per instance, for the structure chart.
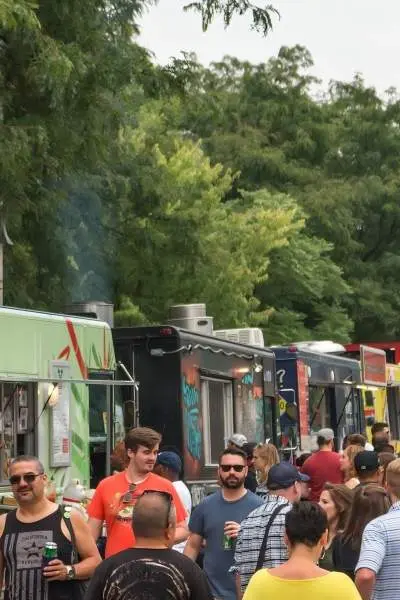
(260, 542)
(169, 466)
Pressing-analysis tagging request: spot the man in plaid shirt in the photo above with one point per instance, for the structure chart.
(284, 488)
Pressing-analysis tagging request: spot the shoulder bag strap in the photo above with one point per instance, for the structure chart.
(80, 586)
(261, 556)
(66, 516)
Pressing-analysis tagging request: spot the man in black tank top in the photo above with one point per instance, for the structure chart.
(150, 570)
(25, 531)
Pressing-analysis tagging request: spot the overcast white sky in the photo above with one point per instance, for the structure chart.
(344, 36)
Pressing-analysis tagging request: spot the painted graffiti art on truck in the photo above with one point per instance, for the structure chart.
(192, 423)
(250, 405)
(248, 378)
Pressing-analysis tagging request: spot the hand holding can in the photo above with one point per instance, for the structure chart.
(50, 552)
(231, 530)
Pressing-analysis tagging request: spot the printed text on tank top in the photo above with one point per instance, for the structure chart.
(21, 519)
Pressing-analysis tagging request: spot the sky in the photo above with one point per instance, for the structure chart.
(344, 37)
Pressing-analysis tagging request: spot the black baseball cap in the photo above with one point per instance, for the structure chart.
(366, 462)
(283, 476)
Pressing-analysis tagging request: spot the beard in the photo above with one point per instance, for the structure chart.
(232, 483)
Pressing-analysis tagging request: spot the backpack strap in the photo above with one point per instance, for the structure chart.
(261, 556)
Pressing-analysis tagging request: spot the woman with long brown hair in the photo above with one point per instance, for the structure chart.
(336, 501)
(347, 465)
(265, 456)
(385, 458)
(370, 501)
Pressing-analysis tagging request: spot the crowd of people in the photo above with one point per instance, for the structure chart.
(324, 528)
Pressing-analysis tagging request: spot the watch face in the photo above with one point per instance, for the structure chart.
(71, 573)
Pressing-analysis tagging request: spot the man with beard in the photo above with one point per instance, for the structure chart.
(216, 520)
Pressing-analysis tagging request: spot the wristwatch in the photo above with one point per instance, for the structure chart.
(70, 572)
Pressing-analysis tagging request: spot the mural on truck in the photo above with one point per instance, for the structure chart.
(293, 402)
(249, 403)
(192, 421)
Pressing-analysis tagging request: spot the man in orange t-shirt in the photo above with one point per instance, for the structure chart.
(115, 496)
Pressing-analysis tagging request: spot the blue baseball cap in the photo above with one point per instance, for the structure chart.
(283, 476)
(170, 460)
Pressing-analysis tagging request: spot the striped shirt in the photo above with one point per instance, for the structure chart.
(252, 529)
(380, 552)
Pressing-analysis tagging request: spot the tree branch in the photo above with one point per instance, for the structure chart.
(209, 9)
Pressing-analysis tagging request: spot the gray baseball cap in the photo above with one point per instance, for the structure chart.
(326, 433)
(238, 439)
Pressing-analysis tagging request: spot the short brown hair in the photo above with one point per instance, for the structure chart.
(393, 477)
(142, 436)
(356, 439)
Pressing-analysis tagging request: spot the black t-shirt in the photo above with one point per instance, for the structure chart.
(148, 574)
(250, 483)
(345, 558)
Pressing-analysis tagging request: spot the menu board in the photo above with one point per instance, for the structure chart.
(59, 400)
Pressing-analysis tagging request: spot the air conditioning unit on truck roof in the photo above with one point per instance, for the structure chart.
(253, 336)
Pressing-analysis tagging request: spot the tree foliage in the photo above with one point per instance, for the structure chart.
(262, 17)
(233, 184)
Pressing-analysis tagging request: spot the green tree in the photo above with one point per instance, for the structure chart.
(182, 242)
(64, 71)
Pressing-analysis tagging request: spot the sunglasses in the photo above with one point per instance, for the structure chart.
(227, 468)
(27, 477)
(128, 496)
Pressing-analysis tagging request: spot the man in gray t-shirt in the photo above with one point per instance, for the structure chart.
(217, 521)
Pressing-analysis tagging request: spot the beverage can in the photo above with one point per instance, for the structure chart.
(227, 542)
(50, 552)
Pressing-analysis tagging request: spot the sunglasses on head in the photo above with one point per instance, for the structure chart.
(227, 468)
(27, 477)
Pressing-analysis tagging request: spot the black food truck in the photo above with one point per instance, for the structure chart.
(197, 390)
(316, 390)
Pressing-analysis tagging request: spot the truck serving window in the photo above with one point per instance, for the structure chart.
(106, 425)
(16, 422)
(319, 408)
(217, 404)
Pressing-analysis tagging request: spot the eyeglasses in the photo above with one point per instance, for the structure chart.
(27, 477)
(166, 495)
(227, 468)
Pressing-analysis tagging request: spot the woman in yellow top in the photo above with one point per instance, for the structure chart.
(300, 578)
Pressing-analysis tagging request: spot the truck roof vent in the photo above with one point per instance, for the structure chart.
(103, 311)
(192, 317)
(323, 346)
(253, 336)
